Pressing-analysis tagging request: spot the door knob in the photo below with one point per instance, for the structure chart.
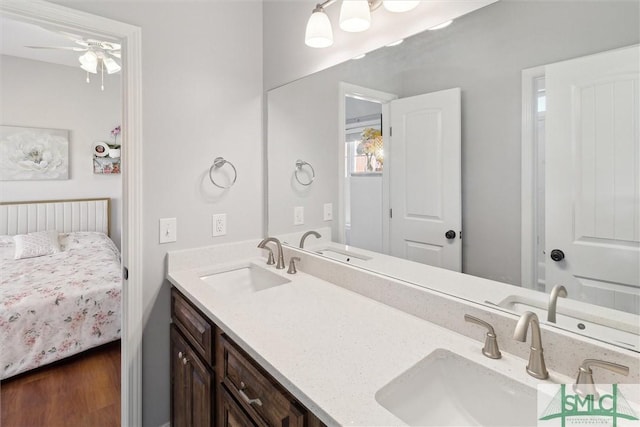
(557, 255)
(450, 234)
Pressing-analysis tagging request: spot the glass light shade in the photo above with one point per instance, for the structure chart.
(89, 62)
(111, 65)
(355, 16)
(319, 33)
(399, 5)
(441, 26)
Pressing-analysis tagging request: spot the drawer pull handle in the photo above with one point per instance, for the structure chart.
(246, 398)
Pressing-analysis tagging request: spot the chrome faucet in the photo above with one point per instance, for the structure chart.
(557, 291)
(305, 235)
(584, 383)
(262, 245)
(536, 367)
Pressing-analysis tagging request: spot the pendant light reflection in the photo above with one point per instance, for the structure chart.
(399, 6)
(319, 33)
(355, 16)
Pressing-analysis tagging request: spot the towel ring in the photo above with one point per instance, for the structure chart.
(218, 162)
(299, 165)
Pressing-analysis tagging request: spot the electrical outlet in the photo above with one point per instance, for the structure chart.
(328, 211)
(168, 230)
(298, 215)
(219, 225)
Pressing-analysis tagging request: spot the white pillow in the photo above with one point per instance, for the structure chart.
(36, 244)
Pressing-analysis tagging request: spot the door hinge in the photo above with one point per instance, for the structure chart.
(460, 234)
(390, 213)
(390, 130)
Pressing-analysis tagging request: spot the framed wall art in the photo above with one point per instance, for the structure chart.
(28, 154)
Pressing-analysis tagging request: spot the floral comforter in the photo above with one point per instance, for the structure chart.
(58, 305)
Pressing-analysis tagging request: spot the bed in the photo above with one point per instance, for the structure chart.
(57, 305)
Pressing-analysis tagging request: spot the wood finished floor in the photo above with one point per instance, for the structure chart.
(82, 391)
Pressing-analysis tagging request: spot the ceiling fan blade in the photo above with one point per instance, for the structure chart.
(75, 49)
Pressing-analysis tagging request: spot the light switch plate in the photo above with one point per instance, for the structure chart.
(168, 230)
(219, 225)
(328, 212)
(298, 215)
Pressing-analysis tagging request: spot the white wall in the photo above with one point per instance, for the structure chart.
(202, 98)
(287, 57)
(44, 95)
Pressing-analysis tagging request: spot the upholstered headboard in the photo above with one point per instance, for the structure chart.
(61, 215)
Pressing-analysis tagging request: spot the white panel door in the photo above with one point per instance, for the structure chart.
(425, 179)
(593, 178)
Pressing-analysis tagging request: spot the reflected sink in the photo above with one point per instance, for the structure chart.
(244, 280)
(581, 323)
(344, 255)
(445, 389)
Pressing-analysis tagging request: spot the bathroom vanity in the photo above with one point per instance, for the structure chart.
(336, 345)
(212, 378)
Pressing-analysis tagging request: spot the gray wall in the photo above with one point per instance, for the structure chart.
(484, 54)
(42, 95)
(287, 57)
(202, 98)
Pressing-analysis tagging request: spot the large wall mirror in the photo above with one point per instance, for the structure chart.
(504, 146)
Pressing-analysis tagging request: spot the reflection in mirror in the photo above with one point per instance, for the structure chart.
(540, 98)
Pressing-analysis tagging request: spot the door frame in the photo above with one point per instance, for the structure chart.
(384, 98)
(529, 178)
(52, 15)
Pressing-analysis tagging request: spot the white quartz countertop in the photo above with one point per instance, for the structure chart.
(332, 348)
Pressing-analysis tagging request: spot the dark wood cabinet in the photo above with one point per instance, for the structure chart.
(261, 396)
(192, 385)
(215, 383)
(230, 413)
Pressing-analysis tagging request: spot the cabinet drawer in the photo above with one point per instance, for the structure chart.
(195, 326)
(266, 403)
(231, 414)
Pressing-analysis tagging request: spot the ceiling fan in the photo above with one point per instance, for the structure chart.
(98, 54)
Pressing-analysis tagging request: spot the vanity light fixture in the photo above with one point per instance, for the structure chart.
(319, 33)
(355, 16)
(399, 5)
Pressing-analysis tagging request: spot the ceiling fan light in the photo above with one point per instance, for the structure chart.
(355, 16)
(319, 33)
(399, 6)
(111, 65)
(89, 69)
(89, 62)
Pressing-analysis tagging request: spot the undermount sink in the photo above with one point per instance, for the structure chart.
(244, 280)
(445, 389)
